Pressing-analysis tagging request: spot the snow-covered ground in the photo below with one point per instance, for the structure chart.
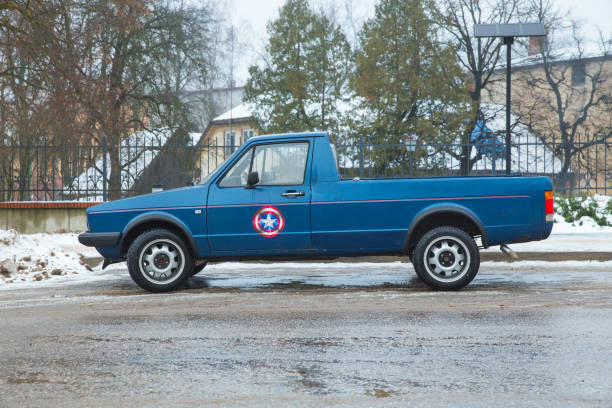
(564, 240)
(53, 259)
(584, 224)
(37, 258)
(48, 259)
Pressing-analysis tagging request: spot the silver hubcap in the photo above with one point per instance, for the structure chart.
(162, 261)
(447, 259)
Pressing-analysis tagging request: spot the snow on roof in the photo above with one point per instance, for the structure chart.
(553, 57)
(568, 53)
(242, 111)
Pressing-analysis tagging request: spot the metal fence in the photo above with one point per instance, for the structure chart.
(574, 169)
(101, 172)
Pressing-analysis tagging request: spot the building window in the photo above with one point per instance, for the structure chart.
(247, 134)
(578, 73)
(230, 143)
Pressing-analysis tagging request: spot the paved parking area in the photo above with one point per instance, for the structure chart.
(523, 334)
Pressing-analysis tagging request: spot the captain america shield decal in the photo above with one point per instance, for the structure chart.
(268, 221)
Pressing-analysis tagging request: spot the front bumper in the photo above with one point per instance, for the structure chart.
(100, 239)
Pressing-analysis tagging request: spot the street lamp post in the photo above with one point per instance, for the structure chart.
(411, 141)
(508, 32)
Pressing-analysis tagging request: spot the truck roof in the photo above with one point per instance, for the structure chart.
(289, 135)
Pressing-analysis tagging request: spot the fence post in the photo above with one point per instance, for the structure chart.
(360, 156)
(104, 149)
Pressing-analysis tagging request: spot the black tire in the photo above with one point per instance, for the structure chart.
(198, 268)
(446, 258)
(169, 261)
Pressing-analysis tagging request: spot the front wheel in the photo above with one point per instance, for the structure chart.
(446, 258)
(159, 261)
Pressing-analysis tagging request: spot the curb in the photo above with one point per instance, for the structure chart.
(484, 257)
(548, 256)
(498, 256)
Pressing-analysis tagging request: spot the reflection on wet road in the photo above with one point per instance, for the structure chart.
(314, 334)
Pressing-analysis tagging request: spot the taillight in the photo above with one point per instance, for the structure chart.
(548, 206)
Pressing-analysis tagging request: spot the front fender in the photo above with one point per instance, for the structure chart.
(156, 217)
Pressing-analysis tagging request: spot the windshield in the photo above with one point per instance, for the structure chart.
(207, 177)
(211, 173)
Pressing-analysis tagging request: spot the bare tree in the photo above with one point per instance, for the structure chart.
(129, 65)
(479, 57)
(568, 94)
(11, 11)
(23, 113)
(84, 72)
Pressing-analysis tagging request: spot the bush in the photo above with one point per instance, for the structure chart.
(573, 208)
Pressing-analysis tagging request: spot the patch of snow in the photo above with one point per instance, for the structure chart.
(568, 54)
(570, 266)
(584, 224)
(565, 241)
(37, 258)
(242, 111)
(194, 138)
(52, 259)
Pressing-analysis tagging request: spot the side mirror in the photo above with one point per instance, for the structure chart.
(252, 179)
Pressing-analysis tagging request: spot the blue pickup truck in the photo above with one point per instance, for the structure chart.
(280, 197)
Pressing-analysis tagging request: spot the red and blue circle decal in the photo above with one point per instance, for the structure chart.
(268, 221)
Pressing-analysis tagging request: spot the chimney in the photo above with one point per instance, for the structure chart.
(535, 47)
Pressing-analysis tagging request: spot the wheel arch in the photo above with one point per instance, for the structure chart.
(156, 220)
(442, 215)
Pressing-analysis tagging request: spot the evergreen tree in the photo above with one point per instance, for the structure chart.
(305, 77)
(411, 84)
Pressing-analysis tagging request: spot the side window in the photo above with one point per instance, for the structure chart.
(280, 163)
(237, 175)
(578, 73)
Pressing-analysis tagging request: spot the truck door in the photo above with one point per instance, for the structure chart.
(274, 215)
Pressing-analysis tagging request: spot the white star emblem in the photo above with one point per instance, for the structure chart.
(269, 222)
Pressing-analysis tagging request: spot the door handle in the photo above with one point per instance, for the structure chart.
(293, 194)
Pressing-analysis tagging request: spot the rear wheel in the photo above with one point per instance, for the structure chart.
(159, 261)
(446, 258)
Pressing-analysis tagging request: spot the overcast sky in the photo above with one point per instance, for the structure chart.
(249, 18)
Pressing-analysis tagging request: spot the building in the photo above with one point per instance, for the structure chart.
(223, 135)
(581, 82)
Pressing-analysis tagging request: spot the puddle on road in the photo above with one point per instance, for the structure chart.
(265, 280)
(220, 279)
(388, 276)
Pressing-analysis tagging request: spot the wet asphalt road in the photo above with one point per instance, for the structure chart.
(314, 335)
